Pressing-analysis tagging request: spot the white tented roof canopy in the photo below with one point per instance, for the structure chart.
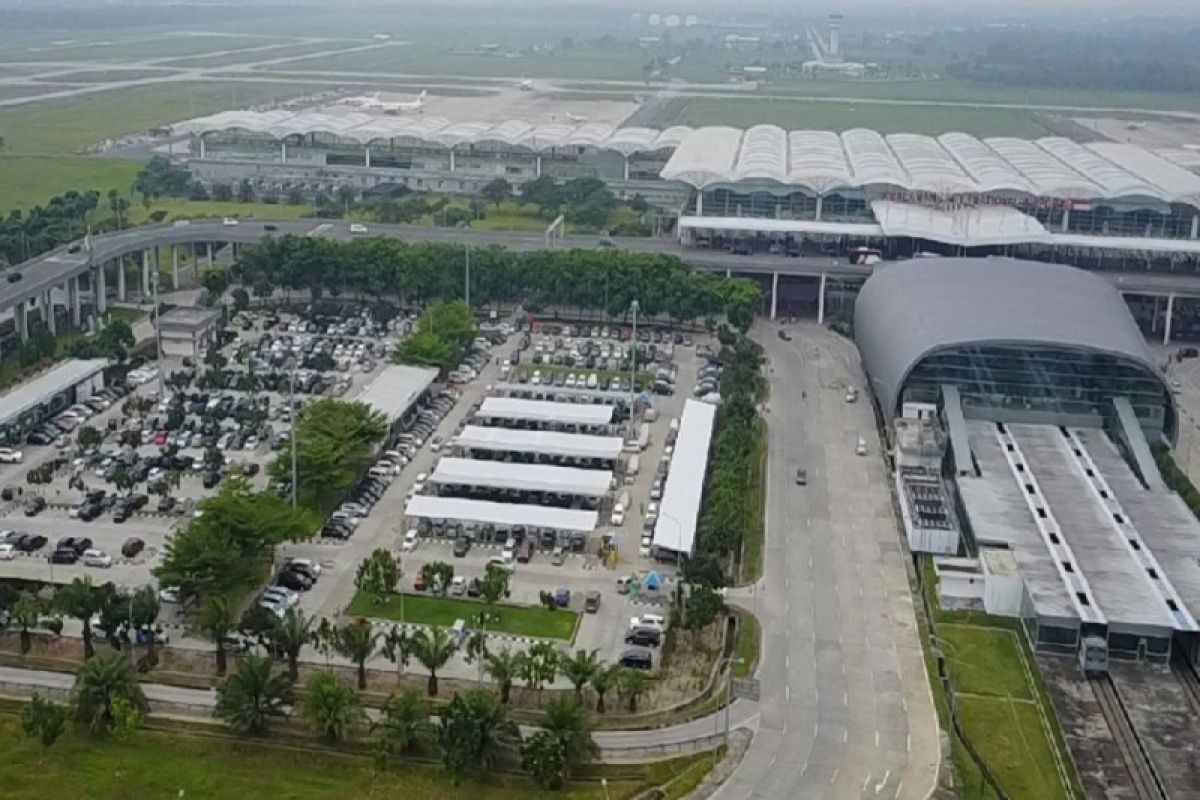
(551, 443)
(974, 226)
(522, 477)
(546, 411)
(511, 515)
(45, 386)
(679, 513)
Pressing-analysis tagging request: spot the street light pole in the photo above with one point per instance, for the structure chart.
(162, 392)
(292, 415)
(467, 279)
(633, 362)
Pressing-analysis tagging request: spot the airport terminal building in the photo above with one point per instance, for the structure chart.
(1048, 398)
(761, 188)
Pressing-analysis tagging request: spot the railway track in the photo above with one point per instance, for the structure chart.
(1186, 675)
(1146, 782)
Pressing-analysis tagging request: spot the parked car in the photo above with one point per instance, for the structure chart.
(591, 602)
(10, 456)
(562, 597)
(132, 547)
(96, 558)
(636, 659)
(461, 546)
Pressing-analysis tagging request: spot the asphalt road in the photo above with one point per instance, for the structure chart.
(845, 707)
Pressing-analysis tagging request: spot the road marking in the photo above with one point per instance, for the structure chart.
(771, 763)
(787, 692)
(898, 787)
(833, 777)
(879, 786)
(787, 662)
(908, 742)
(866, 783)
(877, 738)
(845, 735)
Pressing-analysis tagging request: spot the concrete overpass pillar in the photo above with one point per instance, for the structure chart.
(626, 167)
(73, 301)
(48, 310)
(820, 205)
(99, 288)
(367, 157)
(283, 152)
(1066, 223)
(202, 148)
(21, 314)
(821, 301)
(145, 288)
(121, 279)
(728, 272)
(210, 254)
(538, 167)
(700, 203)
(1196, 227)
(1167, 323)
(174, 267)
(452, 164)
(774, 293)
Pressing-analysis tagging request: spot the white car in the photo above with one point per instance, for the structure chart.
(357, 227)
(618, 518)
(410, 541)
(499, 562)
(307, 563)
(229, 222)
(10, 456)
(97, 558)
(8, 551)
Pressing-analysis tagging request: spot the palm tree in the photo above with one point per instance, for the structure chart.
(433, 648)
(288, 637)
(26, 613)
(503, 668)
(216, 621)
(602, 680)
(99, 682)
(398, 648)
(330, 707)
(81, 600)
(404, 723)
(566, 720)
(249, 698)
(579, 669)
(356, 641)
(631, 683)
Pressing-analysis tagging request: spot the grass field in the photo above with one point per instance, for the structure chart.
(817, 115)
(984, 661)
(179, 208)
(746, 649)
(444, 611)
(158, 765)
(1008, 734)
(133, 48)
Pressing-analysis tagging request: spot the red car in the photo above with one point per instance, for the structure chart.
(419, 583)
(160, 438)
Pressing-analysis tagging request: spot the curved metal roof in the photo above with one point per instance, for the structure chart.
(908, 310)
(768, 156)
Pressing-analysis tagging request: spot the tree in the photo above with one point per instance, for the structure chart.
(566, 720)
(216, 621)
(378, 575)
(123, 479)
(602, 680)
(81, 600)
(356, 641)
(245, 191)
(404, 725)
(631, 683)
(503, 668)
(579, 669)
(88, 437)
(433, 648)
(334, 443)
(253, 695)
(472, 725)
(330, 707)
(398, 648)
(437, 576)
(702, 607)
(544, 757)
(100, 682)
(241, 299)
(118, 205)
(43, 720)
(289, 635)
(26, 613)
(540, 666)
(496, 191)
(424, 349)
(494, 585)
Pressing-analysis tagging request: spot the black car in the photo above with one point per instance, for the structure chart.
(34, 506)
(335, 531)
(132, 547)
(461, 545)
(13, 276)
(294, 580)
(270, 227)
(636, 659)
(473, 587)
(90, 510)
(302, 569)
(644, 637)
(63, 556)
(122, 512)
(211, 479)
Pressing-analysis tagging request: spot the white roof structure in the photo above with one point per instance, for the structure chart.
(974, 226)
(507, 514)
(675, 529)
(551, 443)
(546, 411)
(46, 385)
(819, 161)
(395, 390)
(523, 477)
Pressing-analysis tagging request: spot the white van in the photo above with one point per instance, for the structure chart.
(644, 436)
(631, 469)
(861, 449)
(650, 415)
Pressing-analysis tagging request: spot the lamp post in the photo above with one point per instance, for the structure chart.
(633, 307)
(292, 417)
(729, 662)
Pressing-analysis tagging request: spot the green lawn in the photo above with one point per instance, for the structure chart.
(159, 765)
(819, 115)
(746, 649)
(444, 611)
(26, 181)
(752, 547)
(984, 661)
(1009, 737)
(179, 208)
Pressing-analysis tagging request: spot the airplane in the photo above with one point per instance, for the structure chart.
(576, 117)
(373, 103)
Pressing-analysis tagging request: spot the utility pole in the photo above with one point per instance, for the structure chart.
(292, 414)
(633, 362)
(467, 281)
(162, 392)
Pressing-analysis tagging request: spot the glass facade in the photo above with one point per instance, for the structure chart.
(1033, 378)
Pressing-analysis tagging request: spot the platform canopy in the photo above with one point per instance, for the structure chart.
(675, 529)
(550, 443)
(546, 411)
(522, 477)
(509, 515)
